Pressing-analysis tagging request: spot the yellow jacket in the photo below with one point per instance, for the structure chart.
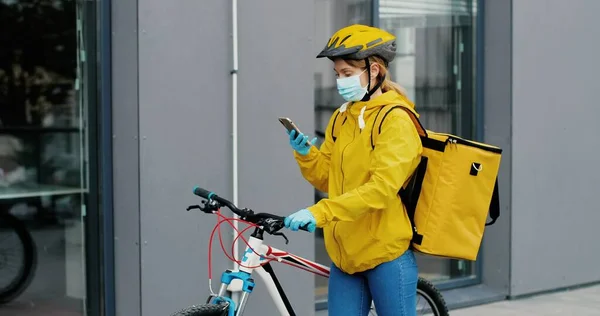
(363, 220)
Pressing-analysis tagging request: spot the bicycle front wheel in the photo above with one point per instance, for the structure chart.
(204, 310)
(429, 300)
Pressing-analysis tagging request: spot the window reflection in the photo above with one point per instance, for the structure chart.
(435, 63)
(42, 158)
(331, 15)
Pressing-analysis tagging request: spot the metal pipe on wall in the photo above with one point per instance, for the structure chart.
(236, 286)
(234, 113)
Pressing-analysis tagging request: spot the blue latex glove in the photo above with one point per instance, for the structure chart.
(301, 218)
(299, 142)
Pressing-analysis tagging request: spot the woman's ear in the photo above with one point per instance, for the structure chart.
(374, 70)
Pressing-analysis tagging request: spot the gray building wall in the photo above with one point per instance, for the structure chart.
(172, 130)
(172, 99)
(555, 114)
(539, 106)
(497, 130)
(276, 79)
(126, 178)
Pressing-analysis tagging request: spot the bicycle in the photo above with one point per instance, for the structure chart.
(257, 258)
(23, 263)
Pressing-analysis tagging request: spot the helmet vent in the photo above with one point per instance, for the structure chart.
(371, 43)
(334, 42)
(345, 38)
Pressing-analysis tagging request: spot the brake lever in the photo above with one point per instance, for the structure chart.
(193, 207)
(282, 235)
(208, 207)
(273, 226)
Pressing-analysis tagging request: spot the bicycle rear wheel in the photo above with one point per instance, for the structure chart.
(17, 257)
(429, 300)
(204, 310)
(435, 303)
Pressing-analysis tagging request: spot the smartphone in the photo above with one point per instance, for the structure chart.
(290, 126)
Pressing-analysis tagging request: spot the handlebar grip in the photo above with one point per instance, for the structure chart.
(203, 193)
(282, 219)
(304, 228)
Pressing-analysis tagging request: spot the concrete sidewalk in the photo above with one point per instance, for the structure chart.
(580, 302)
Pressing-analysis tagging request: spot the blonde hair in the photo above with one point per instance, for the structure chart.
(388, 84)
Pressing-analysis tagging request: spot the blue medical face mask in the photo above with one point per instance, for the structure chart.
(350, 88)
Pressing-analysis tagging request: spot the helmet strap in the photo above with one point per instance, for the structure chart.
(367, 96)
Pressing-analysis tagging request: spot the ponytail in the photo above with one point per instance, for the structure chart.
(389, 85)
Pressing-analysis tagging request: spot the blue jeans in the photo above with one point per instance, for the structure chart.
(391, 285)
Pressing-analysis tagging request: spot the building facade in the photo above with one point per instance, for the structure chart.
(114, 114)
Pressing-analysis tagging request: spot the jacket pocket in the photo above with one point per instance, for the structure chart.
(373, 222)
(355, 236)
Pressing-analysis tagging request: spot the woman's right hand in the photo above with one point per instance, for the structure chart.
(300, 142)
(301, 218)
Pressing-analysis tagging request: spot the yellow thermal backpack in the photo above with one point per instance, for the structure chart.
(451, 192)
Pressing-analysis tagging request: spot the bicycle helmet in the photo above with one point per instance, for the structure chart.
(360, 42)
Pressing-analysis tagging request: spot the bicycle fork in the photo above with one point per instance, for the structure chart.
(228, 279)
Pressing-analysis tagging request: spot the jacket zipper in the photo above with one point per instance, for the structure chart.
(343, 179)
(342, 159)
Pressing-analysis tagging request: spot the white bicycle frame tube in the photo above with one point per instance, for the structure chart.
(272, 289)
(250, 261)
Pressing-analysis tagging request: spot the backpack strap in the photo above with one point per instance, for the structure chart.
(338, 121)
(334, 128)
(494, 205)
(374, 124)
(389, 108)
(410, 190)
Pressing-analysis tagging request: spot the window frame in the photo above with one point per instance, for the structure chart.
(99, 235)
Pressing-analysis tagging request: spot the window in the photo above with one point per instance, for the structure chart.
(44, 165)
(331, 15)
(435, 63)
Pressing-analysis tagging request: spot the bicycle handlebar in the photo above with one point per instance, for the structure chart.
(245, 214)
(209, 195)
(201, 192)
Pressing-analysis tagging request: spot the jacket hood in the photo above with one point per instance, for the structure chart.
(358, 109)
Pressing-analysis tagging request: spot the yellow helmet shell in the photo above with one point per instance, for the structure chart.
(359, 42)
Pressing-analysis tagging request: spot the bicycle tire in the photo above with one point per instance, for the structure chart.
(204, 310)
(26, 272)
(433, 296)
